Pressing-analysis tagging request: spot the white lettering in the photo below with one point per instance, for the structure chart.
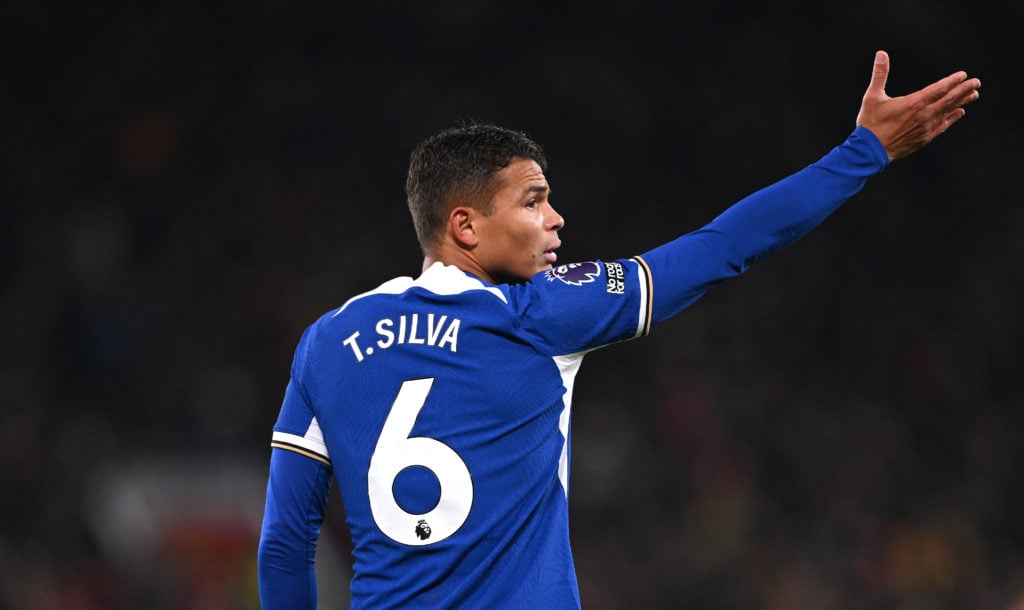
(451, 336)
(433, 332)
(387, 337)
(413, 328)
(441, 332)
(351, 342)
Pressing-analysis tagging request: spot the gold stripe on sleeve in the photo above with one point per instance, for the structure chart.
(648, 303)
(300, 451)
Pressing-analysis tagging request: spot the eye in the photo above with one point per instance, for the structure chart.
(531, 203)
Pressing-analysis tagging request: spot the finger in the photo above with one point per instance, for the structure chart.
(961, 95)
(965, 93)
(951, 118)
(940, 88)
(879, 73)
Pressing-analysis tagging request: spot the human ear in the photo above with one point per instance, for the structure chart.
(460, 222)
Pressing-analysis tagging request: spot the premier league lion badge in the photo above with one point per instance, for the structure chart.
(574, 274)
(422, 530)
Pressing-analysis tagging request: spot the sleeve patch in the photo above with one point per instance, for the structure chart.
(574, 274)
(616, 283)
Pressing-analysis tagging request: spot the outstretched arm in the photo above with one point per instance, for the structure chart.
(906, 124)
(888, 128)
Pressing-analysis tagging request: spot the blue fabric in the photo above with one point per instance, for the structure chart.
(296, 500)
(684, 269)
(443, 405)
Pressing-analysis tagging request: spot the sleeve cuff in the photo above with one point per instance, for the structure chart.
(873, 143)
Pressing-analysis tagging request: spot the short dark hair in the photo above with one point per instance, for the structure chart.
(454, 167)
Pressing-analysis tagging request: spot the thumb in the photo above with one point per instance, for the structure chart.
(879, 74)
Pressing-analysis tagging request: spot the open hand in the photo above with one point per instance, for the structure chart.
(906, 124)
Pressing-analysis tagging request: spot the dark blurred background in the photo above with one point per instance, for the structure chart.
(186, 185)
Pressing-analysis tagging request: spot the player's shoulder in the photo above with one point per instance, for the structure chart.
(437, 282)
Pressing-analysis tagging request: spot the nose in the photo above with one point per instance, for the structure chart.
(555, 220)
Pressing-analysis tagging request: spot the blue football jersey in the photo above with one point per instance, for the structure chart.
(442, 404)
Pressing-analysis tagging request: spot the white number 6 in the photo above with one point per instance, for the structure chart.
(396, 451)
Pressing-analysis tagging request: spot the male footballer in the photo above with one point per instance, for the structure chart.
(441, 403)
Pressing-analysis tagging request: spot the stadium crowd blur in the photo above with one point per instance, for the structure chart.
(186, 187)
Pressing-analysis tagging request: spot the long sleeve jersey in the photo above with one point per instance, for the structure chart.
(442, 404)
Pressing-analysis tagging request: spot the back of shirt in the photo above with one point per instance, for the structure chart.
(443, 404)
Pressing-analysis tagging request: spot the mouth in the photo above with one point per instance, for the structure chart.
(549, 254)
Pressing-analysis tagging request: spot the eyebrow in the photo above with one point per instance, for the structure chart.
(537, 189)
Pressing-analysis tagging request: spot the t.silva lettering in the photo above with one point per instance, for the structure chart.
(431, 330)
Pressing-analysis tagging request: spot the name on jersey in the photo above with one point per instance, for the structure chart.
(430, 330)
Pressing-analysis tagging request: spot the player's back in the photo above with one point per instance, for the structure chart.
(447, 430)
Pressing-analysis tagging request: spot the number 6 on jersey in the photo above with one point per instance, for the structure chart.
(396, 451)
